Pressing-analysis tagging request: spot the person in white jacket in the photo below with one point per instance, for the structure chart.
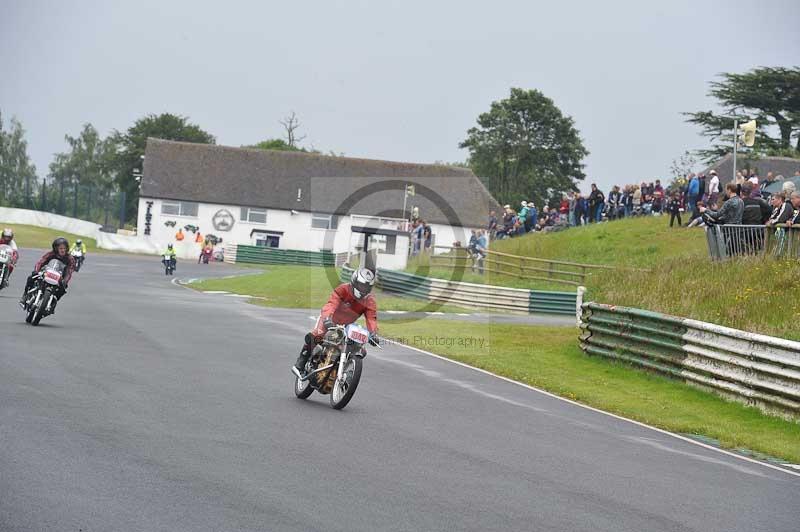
(7, 239)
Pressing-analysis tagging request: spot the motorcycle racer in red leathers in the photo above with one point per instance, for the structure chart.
(60, 253)
(348, 302)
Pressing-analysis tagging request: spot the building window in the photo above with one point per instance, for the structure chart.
(391, 243)
(385, 244)
(179, 208)
(324, 221)
(254, 216)
(267, 240)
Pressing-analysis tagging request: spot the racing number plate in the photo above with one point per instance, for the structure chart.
(357, 334)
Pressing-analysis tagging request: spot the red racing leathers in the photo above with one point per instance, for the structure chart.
(344, 308)
(66, 259)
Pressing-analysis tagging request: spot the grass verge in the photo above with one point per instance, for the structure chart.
(306, 287)
(549, 358)
(755, 294)
(29, 236)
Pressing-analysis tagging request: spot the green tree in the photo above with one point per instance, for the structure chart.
(770, 95)
(131, 144)
(17, 172)
(275, 144)
(524, 148)
(89, 164)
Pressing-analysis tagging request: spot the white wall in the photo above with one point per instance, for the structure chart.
(446, 235)
(296, 228)
(46, 219)
(298, 233)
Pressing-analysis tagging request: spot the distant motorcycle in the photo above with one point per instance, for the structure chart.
(77, 254)
(41, 299)
(169, 264)
(206, 255)
(335, 366)
(6, 260)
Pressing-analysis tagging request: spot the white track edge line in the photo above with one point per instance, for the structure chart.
(593, 409)
(615, 416)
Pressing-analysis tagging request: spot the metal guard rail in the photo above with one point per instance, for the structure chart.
(473, 295)
(755, 369)
(736, 240)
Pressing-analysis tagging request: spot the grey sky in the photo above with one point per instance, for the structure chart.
(392, 80)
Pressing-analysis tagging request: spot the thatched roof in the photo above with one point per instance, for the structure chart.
(311, 182)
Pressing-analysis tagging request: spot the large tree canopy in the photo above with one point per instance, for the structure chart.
(131, 145)
(17, 172)
(770, 95)
(524, 148)
(89, 161)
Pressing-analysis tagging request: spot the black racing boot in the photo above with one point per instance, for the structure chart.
(299, 368)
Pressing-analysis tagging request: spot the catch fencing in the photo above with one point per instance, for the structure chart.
(521, 267)
(735, 240)
(755, 369)
(471, 295)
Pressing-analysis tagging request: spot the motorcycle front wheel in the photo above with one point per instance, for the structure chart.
(344, 389)
(39, 310)
(302, 389)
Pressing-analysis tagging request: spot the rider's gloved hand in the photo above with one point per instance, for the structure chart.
(328, 323)
(374, 339)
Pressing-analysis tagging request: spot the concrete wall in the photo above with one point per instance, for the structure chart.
(46, 219)
(297, 231)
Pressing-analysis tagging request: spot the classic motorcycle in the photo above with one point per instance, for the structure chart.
(41, 299)
(77, 254)
(335, 366)
(6, 260)
(169, 264)
(206, 255)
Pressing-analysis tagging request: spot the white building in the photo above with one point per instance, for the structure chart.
(301, 201)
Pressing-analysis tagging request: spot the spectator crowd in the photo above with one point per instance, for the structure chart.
(700, 198)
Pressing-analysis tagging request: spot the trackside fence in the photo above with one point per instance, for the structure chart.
(521, 267)
(472, 295)
(733, 240)
(755, 369)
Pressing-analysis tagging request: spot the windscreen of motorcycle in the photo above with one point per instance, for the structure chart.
(53, 272)
(5, 254)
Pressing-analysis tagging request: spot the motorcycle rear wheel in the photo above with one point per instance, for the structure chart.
(343, 392)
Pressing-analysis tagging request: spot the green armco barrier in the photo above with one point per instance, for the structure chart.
(751, 368)
(472, 295)
(542, 301)
(264, 255)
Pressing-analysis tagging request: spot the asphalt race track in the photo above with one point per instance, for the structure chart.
(145, 406)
